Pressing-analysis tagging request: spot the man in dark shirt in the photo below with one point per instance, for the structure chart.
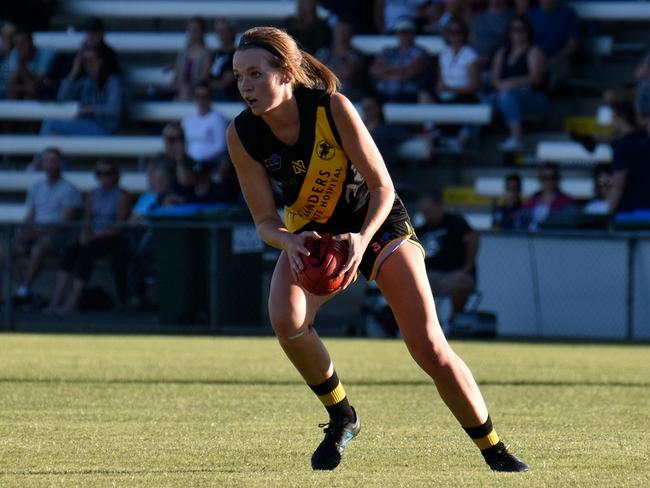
(557, 31)
(450, 247)
(509, 215)
(631, 161)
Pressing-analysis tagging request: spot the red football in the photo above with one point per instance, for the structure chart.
(321, 267)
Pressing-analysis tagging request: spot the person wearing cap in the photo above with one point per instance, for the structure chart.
(397, 71)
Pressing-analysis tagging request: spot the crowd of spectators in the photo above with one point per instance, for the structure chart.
(511, 54)
(524, 67)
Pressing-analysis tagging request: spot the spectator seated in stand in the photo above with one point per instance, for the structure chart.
(99, 93)
(29, 70)
(456, 9)
(458, 78)
(160, 183)
(348, 64)
(631, 161)
(205, 130)
(388, 137)
(193, 62)
(388, 13)
(221, 79)
(311, 32)
(94, 38)
(518, 76)
(450, 248)
(642, 92)
(522, 7)
(173, 148)
(599, 205)
(489, 30)
(550, 201)
(398, 71)
(508, 214)
(432, 16)
(50, 202)
(106, 209)
(7, 31)
(556, 32)
(354, 13)
(208, 184)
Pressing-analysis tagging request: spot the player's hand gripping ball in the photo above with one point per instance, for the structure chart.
(320, 273)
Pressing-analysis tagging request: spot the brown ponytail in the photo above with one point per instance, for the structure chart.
(306, 70)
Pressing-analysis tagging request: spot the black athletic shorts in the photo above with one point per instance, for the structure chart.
(395, 230)
(391, 235)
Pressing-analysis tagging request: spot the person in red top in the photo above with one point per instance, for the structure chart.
(550, 199)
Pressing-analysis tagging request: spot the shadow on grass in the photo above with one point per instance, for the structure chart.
(257, 382)
(111, 472)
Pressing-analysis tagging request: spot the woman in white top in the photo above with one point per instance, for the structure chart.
(458, 67)
(458, 76)
(204, 129)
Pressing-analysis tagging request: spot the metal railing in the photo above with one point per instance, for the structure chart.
(241, 240)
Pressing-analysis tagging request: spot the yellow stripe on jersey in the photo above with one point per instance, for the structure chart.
(492, 439)
(324, 180)
(333, 397)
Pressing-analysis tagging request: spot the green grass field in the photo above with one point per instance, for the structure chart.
(203, 411)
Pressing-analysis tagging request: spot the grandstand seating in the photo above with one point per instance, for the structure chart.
(477, 114)
(478, 220)
(394, 112)
(572, 153)
(133, 181)
(21, 181)
(122, 42)
(35, 110)
(119, 146)
(128, 9)
(613, 11)
(169, 42)
(275, 10)
(494, 186)
(12, 212)
(140, 74)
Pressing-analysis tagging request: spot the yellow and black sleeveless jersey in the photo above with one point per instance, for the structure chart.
(321, 188)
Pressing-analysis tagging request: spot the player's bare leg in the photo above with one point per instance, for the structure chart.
(292, 312)
(403, 281)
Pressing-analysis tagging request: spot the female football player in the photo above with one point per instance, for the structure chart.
(300, 133)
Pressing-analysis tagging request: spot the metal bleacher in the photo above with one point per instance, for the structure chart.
(570, 152)
(15, 181)
(127, 9)
(141, 74)
(168, 42)
(494, 186)
(133, 181)
(593, 11)
(477, 114)
(118, 146)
